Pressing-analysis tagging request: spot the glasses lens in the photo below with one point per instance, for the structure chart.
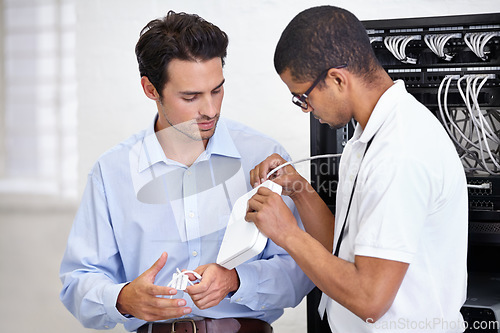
(299, 102)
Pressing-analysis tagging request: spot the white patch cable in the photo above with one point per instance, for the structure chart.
(180, 280)
(476, 41)
(301, 160)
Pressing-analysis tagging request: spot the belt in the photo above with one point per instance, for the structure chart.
(207, 325)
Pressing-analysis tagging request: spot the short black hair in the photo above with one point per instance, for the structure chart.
(323, 37)
(177, 36)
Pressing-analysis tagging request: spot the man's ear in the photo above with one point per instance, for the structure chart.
(149, 89)
(338, 77)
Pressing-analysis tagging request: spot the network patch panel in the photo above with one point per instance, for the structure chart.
(452, 65)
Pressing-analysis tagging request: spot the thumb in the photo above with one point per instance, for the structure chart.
(201, 269)
(157, 266)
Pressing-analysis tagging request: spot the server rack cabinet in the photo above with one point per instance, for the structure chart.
(438, 58)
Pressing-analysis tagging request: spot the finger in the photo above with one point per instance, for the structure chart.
(155, 290)
(251, 216)
(273, 162)
(196, 275)
(254, 178)
(164, 308)
(201, 269)
(157, 266)
(199, 288)
(264, 192)
(205, 304)
(255, 203)
(165, 303)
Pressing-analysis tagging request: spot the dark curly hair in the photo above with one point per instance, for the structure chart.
(177, 36)
(323, 37)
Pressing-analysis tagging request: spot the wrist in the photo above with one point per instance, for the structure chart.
(235, 285)
(289, 238)
(301, 189)
(120, 305)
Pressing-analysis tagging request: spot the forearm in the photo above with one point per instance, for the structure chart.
(359, 288)
(316, 217)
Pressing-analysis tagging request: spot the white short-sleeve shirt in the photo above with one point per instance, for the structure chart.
(409, 205)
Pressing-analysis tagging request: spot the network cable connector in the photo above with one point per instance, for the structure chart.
(476, 41)
(437, 42)
(397, 46)
(376, 39)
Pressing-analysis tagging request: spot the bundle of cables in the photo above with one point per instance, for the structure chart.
(397, 46)
(475, 131)
(476, 41)
(437, 43)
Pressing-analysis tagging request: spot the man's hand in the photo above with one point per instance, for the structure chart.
(215, 284)
(291, 181)
(271, 215)
(143, 299)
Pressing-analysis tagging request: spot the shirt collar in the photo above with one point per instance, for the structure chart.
(381, 111)
(221, 143)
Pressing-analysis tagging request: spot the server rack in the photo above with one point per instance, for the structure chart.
(431, 55)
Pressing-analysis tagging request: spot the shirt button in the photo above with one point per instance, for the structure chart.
(188, 172)
(191, 214)
(195, 253)
(238, 300)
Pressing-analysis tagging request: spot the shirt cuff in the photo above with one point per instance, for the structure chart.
(110, 297)
(246, 293)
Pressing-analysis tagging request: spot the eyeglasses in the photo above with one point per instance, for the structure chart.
(302, 99)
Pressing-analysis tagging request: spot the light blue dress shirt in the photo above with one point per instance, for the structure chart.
(138, 204)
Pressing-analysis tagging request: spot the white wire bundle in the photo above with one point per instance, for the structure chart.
(397, 46)
(437, 43)
(476, 41)
(473, 130)
(180, 280)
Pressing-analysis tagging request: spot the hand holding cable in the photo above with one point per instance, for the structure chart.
(286, 175)
(281, 172)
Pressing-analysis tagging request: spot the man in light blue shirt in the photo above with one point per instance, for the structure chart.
(161, 200)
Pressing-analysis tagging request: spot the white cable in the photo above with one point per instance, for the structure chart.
(483, 122)
(180, 280)
(437, 43)
(375, 39)
(477, 132)
(476, 41)
(480, 186)
(397, 45)
(429, 41)
(301, 160)
(455, 126)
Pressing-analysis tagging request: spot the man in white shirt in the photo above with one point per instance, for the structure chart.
(399, 235)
